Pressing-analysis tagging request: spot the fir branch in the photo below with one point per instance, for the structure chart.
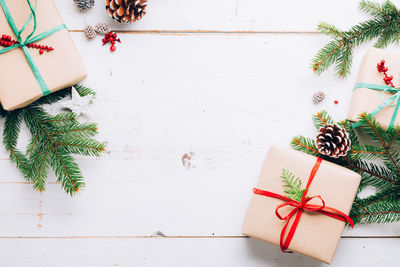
(321, 119)
(304, 144)
(54, 140)
(384, 25)
(292, 186)
(377, 161)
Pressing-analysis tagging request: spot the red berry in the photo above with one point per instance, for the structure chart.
(41, 51)
(113, 48)
(336, 102)
(104, 40)
(114, 35)
(383, 62)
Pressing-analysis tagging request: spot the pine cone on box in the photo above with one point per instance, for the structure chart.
(84, 4)
(333, 141)
(126, 10)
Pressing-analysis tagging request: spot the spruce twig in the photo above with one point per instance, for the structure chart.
(383, 26)
(54, 140)
(377, 162)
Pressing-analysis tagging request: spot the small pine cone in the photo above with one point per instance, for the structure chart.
(102, 28)
(84, 4)
(333, 141)
(318, 97)
(89, 31)
(126, 10)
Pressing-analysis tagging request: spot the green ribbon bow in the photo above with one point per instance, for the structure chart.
(392, 101)
(30, 39)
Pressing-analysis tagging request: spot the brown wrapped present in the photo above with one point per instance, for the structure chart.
(55, 70)
(369, 100)
(320, 223)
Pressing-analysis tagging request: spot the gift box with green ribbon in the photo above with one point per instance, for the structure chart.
(371, 94)
(37, 54)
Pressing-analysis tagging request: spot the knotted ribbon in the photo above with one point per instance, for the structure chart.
(29, 39)
(392, 101)
(300, 207)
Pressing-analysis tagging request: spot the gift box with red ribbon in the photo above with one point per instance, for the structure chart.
(311, 225)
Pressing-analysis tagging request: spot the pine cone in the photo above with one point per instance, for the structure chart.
(102, 28)
(126, 10)
(89, 31)
(333, 141)
(84, 4)
(318, 97)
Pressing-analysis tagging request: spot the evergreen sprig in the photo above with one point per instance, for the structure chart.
(55, 138)
(383, 26)
(376, 159)
(292, 185)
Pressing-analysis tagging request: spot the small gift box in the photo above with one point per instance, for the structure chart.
(29, 68)
(311, 225)
(371, 94)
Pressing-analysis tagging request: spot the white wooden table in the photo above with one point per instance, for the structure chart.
(188, 105)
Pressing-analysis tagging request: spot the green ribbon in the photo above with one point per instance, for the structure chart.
(392, 101)
(30, 39)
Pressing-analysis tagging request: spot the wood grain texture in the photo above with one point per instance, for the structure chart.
(221, 252)
(188, 106)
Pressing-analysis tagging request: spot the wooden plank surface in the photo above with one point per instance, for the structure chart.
(188, 106)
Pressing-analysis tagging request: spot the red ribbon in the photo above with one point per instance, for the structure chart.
(300, 207)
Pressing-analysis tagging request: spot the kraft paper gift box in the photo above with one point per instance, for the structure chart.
(367, 100)
(59, 68)
(317, 235)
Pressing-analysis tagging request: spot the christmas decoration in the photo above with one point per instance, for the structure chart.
(111, 38)
(384, 26)
(24, 78)
(6, 41)
(126, 11)
(333, 141)
(377, 160)
(102, 28)
(383, 69)
(54, 139)
(375, 91)
(318, 97)
(310, 220)
(336, 102)
(89, 32)
(84, 4)
(78, 104)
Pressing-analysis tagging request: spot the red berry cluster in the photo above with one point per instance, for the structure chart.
(7, 41)
(41, 48)
(111, 38)
(383, 69)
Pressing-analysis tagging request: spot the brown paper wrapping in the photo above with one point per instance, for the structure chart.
(367, 100)
(317, 235)
(60, 68)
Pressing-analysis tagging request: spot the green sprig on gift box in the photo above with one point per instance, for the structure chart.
(383, 26)
(55, 138)
(292, 186)
(374, 155)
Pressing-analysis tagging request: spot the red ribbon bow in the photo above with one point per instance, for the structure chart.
(300, 207)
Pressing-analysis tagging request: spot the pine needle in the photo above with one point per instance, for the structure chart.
(55, 138)
(377, 160)
(384, 26)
